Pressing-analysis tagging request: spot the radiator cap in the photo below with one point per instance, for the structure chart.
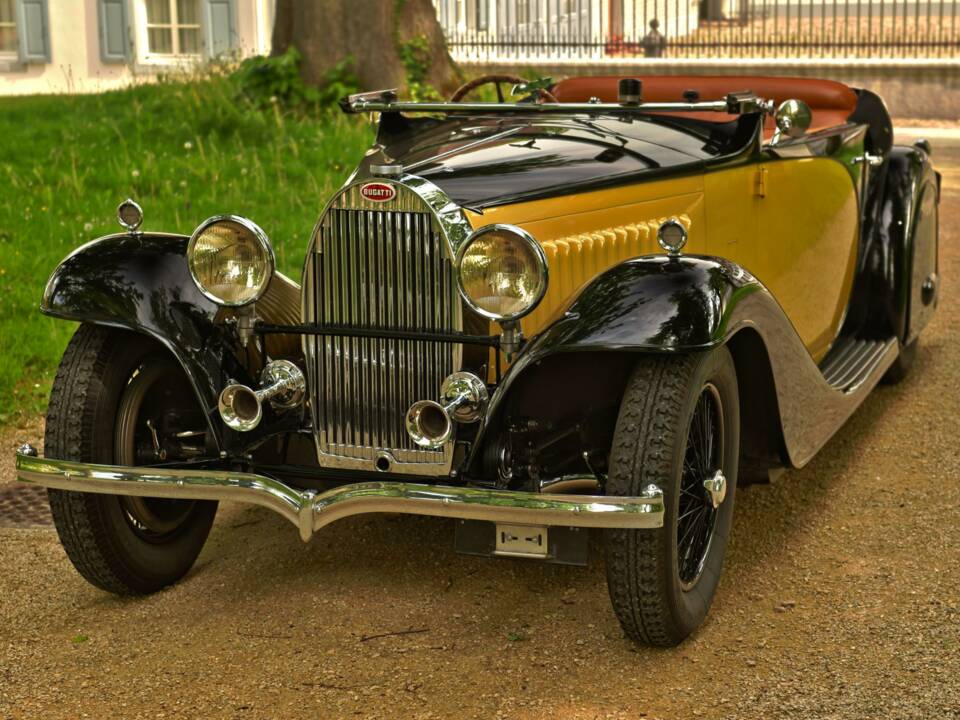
(394, 170)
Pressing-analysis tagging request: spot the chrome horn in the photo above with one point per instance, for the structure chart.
(283, 386)
(463, 398)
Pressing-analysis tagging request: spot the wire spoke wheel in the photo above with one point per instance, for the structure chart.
(120, 399)
(697, 517)
(151, 401)
(678, 428)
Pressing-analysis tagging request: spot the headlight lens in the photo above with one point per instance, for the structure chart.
(502, 272)
(231, 260)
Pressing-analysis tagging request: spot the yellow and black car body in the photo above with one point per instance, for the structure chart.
(810, 257)
(811, 264)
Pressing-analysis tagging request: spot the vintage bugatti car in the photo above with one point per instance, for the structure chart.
(603, 305)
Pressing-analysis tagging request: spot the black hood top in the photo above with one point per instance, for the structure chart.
(485, 161)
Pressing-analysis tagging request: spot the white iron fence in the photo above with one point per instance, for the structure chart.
(504, 30)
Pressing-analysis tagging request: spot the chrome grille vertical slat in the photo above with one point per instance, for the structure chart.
(344, 402)
(336, 358)
(387, 320)
(401, 320)
(326, 358)
(319, 361)
(362, 360)
(373, 350)
(359, 273)
(408, 321)
(374, 345)
(396, 349)
(435, 297)
(347, 357)
(418, 370)
(378, 265)
(351, 292)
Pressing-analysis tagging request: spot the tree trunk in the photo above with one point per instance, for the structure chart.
(372, 33)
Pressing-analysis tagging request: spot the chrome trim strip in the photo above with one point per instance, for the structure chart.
(310, 510)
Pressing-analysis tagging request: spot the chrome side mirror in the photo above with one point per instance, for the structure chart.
(793, 118)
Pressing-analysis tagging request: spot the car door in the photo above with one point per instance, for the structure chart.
(807, 229)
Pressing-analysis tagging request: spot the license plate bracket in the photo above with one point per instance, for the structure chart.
(522, 541)
(554, 544)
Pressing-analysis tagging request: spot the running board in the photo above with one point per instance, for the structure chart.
(815, 400)
(852, 360)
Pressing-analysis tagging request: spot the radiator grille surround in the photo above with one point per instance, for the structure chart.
(378, 265)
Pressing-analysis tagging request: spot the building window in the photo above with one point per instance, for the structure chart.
(173, 27)
(481, 15)
(8, 27)
(523, 12)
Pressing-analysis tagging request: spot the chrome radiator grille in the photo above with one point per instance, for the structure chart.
(377, 265)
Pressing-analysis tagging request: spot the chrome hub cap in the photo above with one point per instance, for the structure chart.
(153, 391)
(716, 487)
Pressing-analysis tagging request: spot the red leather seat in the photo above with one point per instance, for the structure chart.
(830, 102)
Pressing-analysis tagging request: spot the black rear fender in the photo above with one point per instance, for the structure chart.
(898, 252)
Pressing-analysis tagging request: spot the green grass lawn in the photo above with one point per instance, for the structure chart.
(184, 151)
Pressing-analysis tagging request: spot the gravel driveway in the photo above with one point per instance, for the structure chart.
(840, 599)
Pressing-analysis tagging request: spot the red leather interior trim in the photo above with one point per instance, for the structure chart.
(831, 102)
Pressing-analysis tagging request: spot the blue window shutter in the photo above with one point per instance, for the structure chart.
(219, 27)
(114, 34)
(34, 30)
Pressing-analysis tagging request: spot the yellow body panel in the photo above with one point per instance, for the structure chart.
(583, 235)
(793, 224)
(799, 238)
(805, 250)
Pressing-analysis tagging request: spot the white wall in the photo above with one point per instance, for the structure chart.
(76, 67)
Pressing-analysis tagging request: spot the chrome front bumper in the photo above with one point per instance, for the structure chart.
(310, 510)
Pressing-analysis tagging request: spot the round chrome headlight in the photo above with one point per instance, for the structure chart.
(231, 260)
(502, 272)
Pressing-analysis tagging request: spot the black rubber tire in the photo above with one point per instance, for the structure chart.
(94, 529)
(649, 446)
(902, 365)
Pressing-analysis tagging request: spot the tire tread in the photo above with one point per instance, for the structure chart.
(651, 410)
(70, 411)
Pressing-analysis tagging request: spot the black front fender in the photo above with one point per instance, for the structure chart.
(651, 303)
(657, 304)
(142, 283)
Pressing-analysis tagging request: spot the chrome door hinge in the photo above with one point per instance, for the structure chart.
(761, 182)
(871, 160)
